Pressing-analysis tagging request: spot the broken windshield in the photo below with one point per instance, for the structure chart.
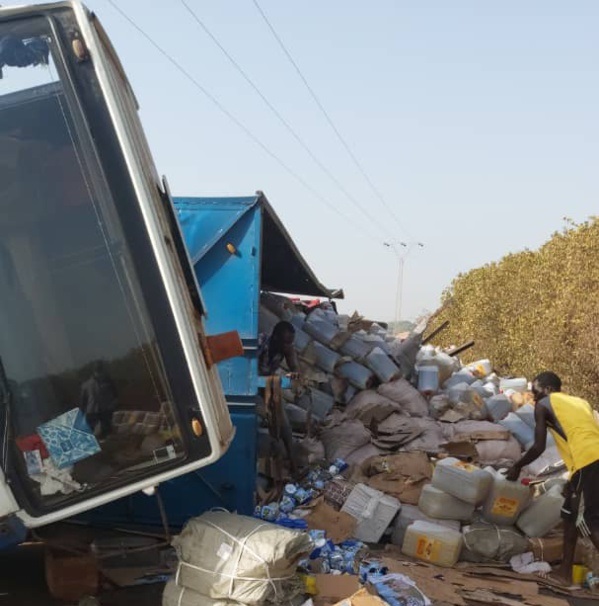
(90, 401)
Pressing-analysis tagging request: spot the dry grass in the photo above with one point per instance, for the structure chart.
(534, 311)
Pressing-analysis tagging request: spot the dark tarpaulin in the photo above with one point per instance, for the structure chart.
(283, 267)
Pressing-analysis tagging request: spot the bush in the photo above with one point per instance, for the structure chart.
(534, 311)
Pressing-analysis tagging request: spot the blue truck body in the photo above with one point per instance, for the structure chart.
(238, 248)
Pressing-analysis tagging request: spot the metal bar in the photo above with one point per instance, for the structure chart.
(163, 516)
(456, 350)
(435, 332)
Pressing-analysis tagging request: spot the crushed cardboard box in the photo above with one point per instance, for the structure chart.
(374, 511)
(338, 525)
(401, 475)
(367, 424)
(461, 450)
(453, 586)
(362, 598)
(550, 548)
(335, 587)
(484, 574)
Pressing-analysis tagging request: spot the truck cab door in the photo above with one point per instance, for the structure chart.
(107, 388)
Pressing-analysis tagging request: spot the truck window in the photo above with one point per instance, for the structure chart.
(90, 404)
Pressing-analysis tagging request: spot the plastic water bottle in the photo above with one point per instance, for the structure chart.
(287, 504)
(318, 537)
(302, 496)
(270, 512)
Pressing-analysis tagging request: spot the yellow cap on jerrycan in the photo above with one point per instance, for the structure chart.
(579, 574)
(310, 584)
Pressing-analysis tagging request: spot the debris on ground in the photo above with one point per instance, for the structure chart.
(399, 497)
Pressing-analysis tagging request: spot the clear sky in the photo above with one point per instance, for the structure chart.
(477, 121)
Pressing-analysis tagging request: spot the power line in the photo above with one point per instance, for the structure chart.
(328, 118)
(283, 121)
(238, 123)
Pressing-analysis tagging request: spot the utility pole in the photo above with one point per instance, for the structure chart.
(401, 250)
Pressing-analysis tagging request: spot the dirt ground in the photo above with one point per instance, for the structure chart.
(22, 583)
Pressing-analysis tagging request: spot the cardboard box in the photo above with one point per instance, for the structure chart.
(338, 525)
(334, 588)
(550, 549)
(374, 511)
(401, 475)
(337, 491)
(362, 598)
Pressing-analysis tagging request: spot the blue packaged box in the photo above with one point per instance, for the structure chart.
(68, 438)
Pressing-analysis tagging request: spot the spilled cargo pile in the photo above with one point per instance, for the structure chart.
(400, 495)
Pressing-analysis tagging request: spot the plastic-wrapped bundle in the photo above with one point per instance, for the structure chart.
(227, 556)
(489, 543)
(174, 595)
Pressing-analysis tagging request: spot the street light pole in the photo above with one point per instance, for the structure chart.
(394, 246)
(401, 255)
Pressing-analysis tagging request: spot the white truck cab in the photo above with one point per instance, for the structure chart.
(106, 386)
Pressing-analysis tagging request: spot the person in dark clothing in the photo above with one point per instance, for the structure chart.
(99, 400)
(277, 347)
(272, 350)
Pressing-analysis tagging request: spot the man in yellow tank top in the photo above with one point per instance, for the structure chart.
(572, 423)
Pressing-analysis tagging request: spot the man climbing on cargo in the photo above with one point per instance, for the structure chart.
(277, 347)
(272, 351)
(573, 424)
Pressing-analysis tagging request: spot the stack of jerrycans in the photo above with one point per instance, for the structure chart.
(462, 481)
